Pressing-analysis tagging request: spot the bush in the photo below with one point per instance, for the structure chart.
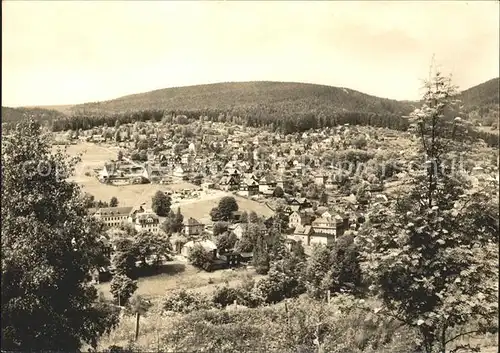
(183, 301)
(220, 227)
(224, 296)
(285, 329)
(122, 288)
(199, 257)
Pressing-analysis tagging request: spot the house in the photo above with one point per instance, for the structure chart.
(152, 173)
(329, 214)
(330, 226)
(376, 187)
(186, 158)
(237, 229)
(113, 216)
(249, 187)
(192, 227)
(321, 238)
(302, 234)
(297, 218)
(302, 202)
(233, 172)
(325, 225)
(179, 172)
(228, 183)
(207, 186)
(98, 138)
(330, 183)
(477, 171)
(283, 183)
(107, 172)
(207, 245)
(267, 183)
(146, 221)
(320, 179)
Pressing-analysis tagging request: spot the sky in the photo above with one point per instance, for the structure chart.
(69, 52)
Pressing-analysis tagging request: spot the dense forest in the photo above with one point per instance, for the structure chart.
(41, 114)
(284, 107)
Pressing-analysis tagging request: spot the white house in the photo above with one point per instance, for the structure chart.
(193, 227)
(113, 216)
(147, 221)
(237, 229)
(208, 245)
(179, 172)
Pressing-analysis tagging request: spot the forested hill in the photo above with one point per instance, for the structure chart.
(284, 106)
(481, 103)
(10, 115)
(484, 95)
(272, 97)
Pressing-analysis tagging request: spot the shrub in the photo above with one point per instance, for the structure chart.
(122, 288)
(183, 301)
(199, 257)
(293, 327)
(224, 296)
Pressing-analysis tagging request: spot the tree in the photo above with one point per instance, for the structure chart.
(168, 225)
(125, 257)
(244, 217)
(148, 244)
(253, 217)
(316, 271)
(432, 255)
(183, 301)
(278, 192)
(199, 257)
(120, 155)
(249, 237)
(281, 219)
(113, 202)
(261, 259)
(49, 248)
(178, 221)
(227, 205)
(220, 227)
(214, 214)
(161, 204)
(122, 288)
(226, 241)
(138, 306)
(174, 222)
(323, 198)
(276, 242)
(344, 274)
(88, 200)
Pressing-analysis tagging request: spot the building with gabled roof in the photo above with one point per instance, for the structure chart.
(192, 227)
(113, 216)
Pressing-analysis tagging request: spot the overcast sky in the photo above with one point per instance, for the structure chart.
(73, 52)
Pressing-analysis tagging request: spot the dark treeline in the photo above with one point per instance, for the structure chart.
(290, 123)
(274, 121)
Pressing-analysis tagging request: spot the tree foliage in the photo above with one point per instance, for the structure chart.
(49, 248)
(161, 204)
(113, 202)
(224, 211)
(432, 255)
(226, 242)
(122, 288)
(199, 257)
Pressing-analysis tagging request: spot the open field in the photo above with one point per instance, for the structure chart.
(488, 129)
(200, 209)
(179, 274)
(93, 156)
